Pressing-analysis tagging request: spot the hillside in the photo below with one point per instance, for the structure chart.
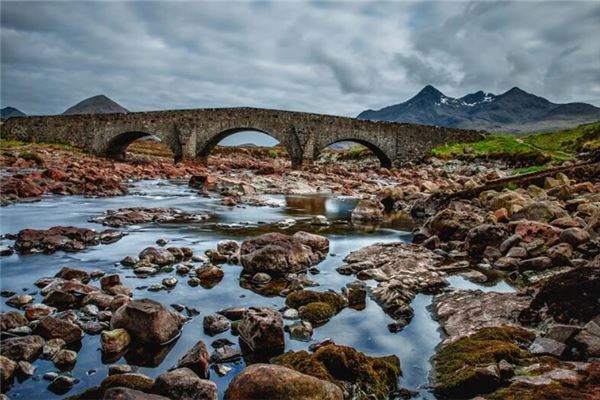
(514, 111)
(8, 112)
(96, 105)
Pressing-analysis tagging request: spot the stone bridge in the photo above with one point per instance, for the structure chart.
(192, 134)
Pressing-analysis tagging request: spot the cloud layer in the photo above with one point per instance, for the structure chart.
(334, 57)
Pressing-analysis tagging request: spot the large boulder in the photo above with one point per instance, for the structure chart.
(53, 328)
(158, 256)
(266, 381)
(278, 254)
(26, 348)
(147, 321)
(483, 236)
(196, 359)
(373, 377)
(542, 211)
(262, 329)
(450, 224)
(184, 384)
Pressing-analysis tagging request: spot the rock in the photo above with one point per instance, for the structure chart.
(196, 359)
(19, 301)
(511, 241)
(25, 369)
(90, 309)
(118, 301)
(301, 330)
(37, 311)
(589, 339)
(11, 320)
(367, 210)
(547, 346)
(290, 313)
(450, 224)
(262, 329)
(225, 354)
(129, 261)
(65, 359)
(517, 252)
(506, 264)
(134, 381)
(233, 313)
(319, 220)
(484, 235)
(53, 328)
(6, 251)
(142, 215)
(120, 369)
(68, 274)
(51, 347)
(209, 274)
(215, 323)
(99, 299)
(114, 341)
(319, 244)
(574, 236)
(110, 281)
(478, 310)
(66, 238)
(160, 257)
(228, 247)
(62, 384)
(121, 393)
(316, 312)
(265, 381)
(260, 278)
(147, 321)
(402, 270)
(560, 254)
(506, 369)
(7, 371)
(277, 254)
(535, 264)
(221, 369)
(562, 333)
(465, 367)
(374, 377)
(570, 296)
(169, 282)
(542, 211)
(532, 230)
(183, 383)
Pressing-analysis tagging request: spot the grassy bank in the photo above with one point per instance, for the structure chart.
(529, 151)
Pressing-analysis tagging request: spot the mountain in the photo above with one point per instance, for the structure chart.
(96, 105)
(514, 111)
(8, 112)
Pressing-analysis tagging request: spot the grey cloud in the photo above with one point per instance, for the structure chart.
(337, 58)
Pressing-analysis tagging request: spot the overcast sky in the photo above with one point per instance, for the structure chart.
(333, 58)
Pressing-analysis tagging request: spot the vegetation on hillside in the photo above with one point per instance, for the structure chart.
(532, 152)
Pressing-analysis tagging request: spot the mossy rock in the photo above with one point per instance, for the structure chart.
(460, 366)
(372, 376)
(301, 298)
(554, 391)
(316, 313)
(135, 381)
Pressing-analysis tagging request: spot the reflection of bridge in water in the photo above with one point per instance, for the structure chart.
(192, 134)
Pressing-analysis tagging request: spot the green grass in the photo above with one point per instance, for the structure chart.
(528, 170)
(533, 149)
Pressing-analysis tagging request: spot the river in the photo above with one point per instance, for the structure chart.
(364, 330)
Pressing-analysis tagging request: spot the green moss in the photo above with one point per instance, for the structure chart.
(317, 313)
(529, 170)
(459, 364)
(8, 144)
(32, 157)
(568, 141)
(301, 298)
(373, 376)
(522, 391)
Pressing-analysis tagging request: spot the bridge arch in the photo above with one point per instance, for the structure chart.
(384, 160)
(115, 147)
(213, 140)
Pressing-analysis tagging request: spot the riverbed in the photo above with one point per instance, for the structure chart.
(365, 330)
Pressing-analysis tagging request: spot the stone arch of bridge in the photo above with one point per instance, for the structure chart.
(115, 147)
(384, 160)
(204, 149)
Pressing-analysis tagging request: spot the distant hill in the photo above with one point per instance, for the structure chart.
(8, 112)
(96, 105)
(514, 111)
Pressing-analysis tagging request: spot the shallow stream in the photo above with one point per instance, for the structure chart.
(364, 330)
